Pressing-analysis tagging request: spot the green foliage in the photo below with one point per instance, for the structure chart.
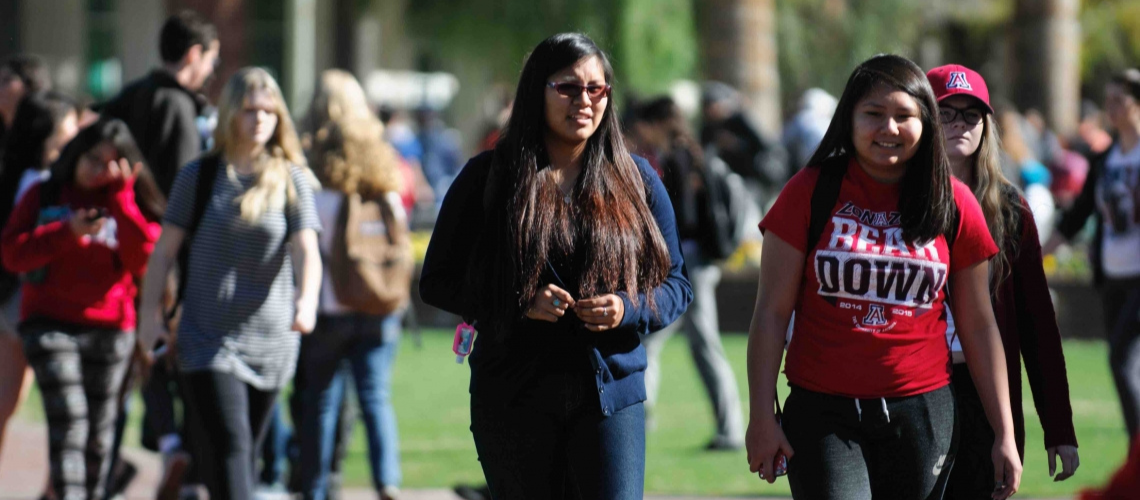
(657, 44)
(501, 32)
(821, 41)
(1110, 42)
(653, 42)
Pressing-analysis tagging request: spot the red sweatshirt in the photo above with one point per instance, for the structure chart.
(87, 281)
(1024, 313)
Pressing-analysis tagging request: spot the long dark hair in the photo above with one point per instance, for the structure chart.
(147, 195)
(1129, 79)
(926, 195)
(622, 248)
(37, 118)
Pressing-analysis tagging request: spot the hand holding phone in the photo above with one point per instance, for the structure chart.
(87, 221)
(95, 214)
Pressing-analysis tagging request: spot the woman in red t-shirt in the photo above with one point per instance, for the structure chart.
(1022, 307)
(871, 412)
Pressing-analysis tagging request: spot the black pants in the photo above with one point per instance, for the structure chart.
(1122, 323)
(897, 448)
(161, 392)
(233, 417)
(80, 374)
(973, 474)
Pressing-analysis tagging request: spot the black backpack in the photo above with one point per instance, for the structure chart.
(726, 207)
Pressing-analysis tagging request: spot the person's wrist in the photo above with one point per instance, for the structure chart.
(761, 414)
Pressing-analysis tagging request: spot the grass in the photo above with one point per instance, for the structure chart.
(430, 395)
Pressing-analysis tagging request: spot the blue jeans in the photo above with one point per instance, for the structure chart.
(555, 443)
(369, 344)
(275, 448)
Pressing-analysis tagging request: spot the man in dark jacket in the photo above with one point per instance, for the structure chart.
(162, 107)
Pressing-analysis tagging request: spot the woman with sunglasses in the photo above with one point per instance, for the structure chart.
(561, 248)
(1018, 291)
(871, 411)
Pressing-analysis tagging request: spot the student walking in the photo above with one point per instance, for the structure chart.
(360, 205)
(45, 122)
(562, 249)
(1018, 290)
(1112, 194)
(20, 75)
(871, 412)
(81, 240)
(237, 341)
(687, 176)
(162, 107)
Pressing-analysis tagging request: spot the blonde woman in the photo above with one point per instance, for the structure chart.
(350, 157)
(237, 345)
(1018, 291)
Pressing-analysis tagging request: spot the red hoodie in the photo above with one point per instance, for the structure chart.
(88, 281)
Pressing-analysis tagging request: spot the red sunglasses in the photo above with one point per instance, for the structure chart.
(575, 90)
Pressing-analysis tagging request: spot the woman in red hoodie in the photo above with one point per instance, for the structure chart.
(80, 241)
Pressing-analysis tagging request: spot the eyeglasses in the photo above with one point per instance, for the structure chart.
(575, 90)
(972, 116)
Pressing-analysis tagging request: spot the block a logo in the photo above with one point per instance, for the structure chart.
(958, 81)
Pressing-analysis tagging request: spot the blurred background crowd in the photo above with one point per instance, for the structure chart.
(751, 84)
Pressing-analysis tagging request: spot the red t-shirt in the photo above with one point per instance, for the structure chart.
(875, 325)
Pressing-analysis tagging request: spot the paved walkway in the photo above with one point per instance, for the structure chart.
(23, 471)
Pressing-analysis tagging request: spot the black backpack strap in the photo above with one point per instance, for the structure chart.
(823, 198)
(952, 232)
(208, 168)
(207, 172)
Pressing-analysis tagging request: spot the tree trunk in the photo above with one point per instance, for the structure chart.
(738, 47)
(1046, 60)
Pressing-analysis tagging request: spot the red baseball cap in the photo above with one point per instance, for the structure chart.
(955, 79)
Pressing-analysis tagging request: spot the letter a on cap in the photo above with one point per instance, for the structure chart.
(958, 81)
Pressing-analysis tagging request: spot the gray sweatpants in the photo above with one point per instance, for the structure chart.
(700, 326)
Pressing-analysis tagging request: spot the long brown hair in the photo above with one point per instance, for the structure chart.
(999, 199)
(350, 156)
(345, 140)
(621, 247)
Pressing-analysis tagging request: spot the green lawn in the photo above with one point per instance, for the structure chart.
(430, 393)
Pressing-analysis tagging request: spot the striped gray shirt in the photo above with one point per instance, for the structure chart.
(238, 302)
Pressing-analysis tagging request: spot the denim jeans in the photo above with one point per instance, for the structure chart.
(369, 344)
(898, 448)
(554, 443)
(275, 448)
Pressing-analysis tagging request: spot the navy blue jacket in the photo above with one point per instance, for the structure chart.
(501, 370)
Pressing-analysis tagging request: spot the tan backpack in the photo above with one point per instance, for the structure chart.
(371, 262)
